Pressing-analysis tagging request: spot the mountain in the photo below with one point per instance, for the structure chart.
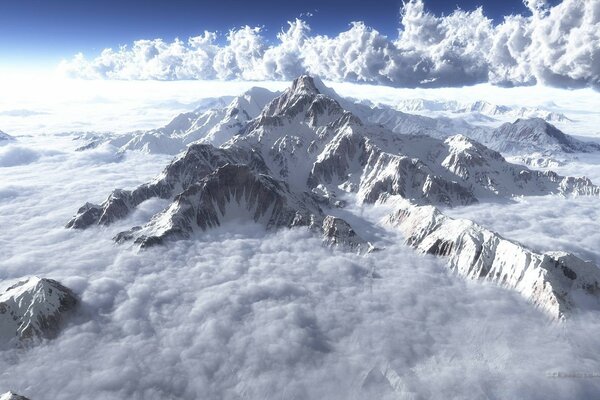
(534, 135)
(212, 122)
(234, 192)
(478, 107)
(558, 283)
(12, 396)
(289, 165)
(33, 308)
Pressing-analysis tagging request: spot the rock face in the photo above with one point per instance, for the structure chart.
(558, 283)
(12, 396)
(33, 308)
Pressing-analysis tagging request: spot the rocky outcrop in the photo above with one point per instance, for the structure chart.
(34, 308)
(558, 283)
(456, 171)
(338, 233)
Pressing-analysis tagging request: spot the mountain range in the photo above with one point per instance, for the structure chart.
(292, 159)
(484, 108)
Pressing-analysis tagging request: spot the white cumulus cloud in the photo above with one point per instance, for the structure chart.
(558, 46)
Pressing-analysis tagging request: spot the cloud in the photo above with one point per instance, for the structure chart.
(13, 155)
(558, 46)
(243, 313)
(21, 113)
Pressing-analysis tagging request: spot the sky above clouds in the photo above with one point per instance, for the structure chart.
(56, 29)
(401, 44)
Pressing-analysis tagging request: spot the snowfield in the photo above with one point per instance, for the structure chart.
(243, 311)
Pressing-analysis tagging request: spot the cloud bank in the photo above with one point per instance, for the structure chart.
(242, 313)
(557, 46)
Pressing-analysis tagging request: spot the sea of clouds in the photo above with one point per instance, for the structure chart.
(243, 313)
(555, 45)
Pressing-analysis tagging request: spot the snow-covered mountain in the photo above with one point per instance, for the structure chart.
(5, 138)
(556, 282)
(33, 308)
(536, 142)
(534, 135)
(418, 105)
(304, 150)
(215, 121)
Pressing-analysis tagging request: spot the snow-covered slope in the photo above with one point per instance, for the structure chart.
(212, 123)
(558, 283)
(33, 308)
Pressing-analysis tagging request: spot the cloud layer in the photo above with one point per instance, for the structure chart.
(242, 313)
(558, 46)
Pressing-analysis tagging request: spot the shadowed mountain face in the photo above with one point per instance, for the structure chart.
(287, 164)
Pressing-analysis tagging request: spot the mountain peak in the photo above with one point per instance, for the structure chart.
(305, 84)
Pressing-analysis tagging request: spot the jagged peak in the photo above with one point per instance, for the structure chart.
(461, 143)
(305, 84)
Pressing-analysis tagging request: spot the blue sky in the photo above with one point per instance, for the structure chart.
(43, 31)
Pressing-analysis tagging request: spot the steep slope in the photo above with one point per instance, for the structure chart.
(33, 308)
(558, 283)
(194, 164)
(306, 138)
(217, 184)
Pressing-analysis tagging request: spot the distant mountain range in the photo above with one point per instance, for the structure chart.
(481, 107)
